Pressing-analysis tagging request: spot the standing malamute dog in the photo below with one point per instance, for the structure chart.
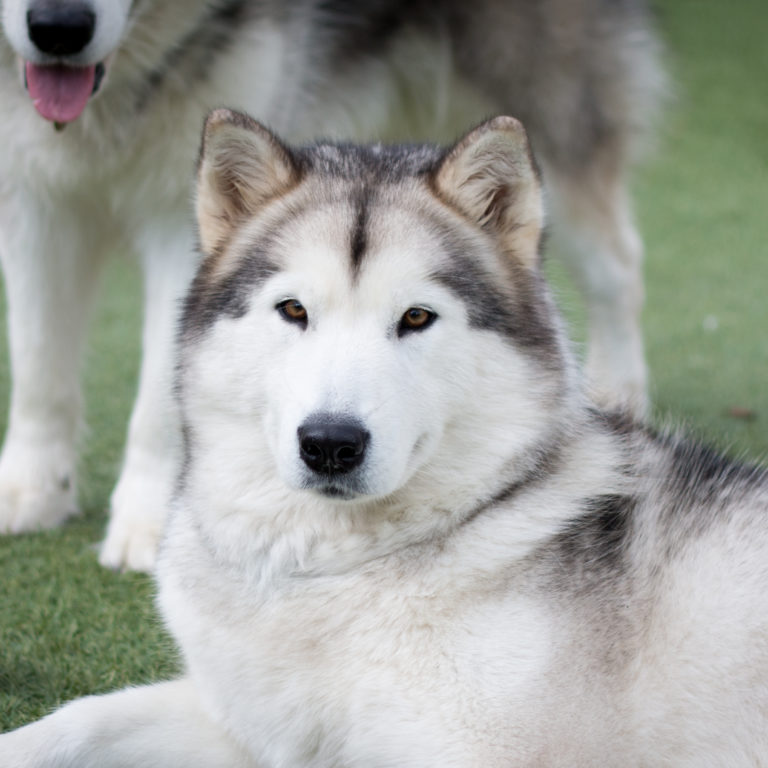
(402, 537)
(128, 83)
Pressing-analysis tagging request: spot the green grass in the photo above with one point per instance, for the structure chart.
(703, 203)
(68, 627)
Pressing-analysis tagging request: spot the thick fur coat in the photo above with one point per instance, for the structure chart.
(403, 536)
(116, 177)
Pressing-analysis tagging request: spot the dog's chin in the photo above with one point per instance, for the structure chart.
(358, 486)
(342, 488)
(336, 493)
(348, 492)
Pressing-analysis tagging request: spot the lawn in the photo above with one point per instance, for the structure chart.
(68, 627)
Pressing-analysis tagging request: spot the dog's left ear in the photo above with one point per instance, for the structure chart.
(242, 166)
(490, 176)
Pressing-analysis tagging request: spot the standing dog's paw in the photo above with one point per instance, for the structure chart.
(37, 487)
(137, 515)
(130, 544)
(618, 378)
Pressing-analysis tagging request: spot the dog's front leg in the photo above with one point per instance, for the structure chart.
(155, 726)
(51, 259)
(152, 454)
(594, 230)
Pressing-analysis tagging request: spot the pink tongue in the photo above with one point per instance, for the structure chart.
(60, 93)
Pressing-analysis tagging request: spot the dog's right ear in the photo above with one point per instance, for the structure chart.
(242, 166)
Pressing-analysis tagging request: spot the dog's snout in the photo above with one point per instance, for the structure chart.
(61, 29)
(331, 445)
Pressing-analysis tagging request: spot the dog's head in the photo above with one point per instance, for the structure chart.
(64, 48)
(369, 320)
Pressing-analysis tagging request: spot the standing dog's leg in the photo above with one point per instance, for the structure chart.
(594, 229)
(139, 501)
(51, 262)
(156, 726)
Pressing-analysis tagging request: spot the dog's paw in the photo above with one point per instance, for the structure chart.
(137, 515)
(37, 487)
(130, 544)
(619, 380)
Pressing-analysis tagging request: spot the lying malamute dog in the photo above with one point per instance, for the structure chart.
(129, 84)
(402, 536)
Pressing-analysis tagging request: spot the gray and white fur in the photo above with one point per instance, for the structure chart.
(583, 76)
(403, 535)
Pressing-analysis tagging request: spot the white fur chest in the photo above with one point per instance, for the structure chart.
(375, 668)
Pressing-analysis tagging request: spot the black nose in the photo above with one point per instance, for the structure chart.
(332, 445)
(61, 29)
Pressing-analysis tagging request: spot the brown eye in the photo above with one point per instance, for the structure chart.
(293, 311)
(415, 319)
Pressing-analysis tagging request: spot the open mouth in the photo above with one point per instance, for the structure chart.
(59, 93)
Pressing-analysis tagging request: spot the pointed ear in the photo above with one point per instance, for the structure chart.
(490, 176)
(242, 165)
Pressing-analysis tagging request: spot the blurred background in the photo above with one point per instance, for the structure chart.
(703, 208)
(701, 197)
(703, 205)
(68, 627)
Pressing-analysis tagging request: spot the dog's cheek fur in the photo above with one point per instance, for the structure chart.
(229, 446)
(475, 457)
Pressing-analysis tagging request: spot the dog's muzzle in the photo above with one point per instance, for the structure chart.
(60, 31)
